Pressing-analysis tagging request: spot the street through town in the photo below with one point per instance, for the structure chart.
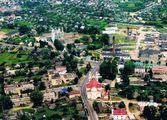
(91, 112)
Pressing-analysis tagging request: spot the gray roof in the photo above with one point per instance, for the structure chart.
(163, 36)
(149, 39)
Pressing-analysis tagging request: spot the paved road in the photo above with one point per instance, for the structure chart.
(92, 114)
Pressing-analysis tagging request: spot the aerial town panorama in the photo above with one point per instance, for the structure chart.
(83, 59)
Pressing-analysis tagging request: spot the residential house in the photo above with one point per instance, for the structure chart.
(60, 69)
(145, 54)
(55, 79)
(140, 70)
(49, 96)
(163, 46)
(26, 86)
(110, 30)
(159, 69)
(131, 116)
(149, 40)
(18, 88)
(162, 38)
(102, 107)
(134, 81)
(11, 89)
(74, 94)
(67, 77)
(119, 114)
(123, 56)
(22, 100)
(10, 72)
(107, 53)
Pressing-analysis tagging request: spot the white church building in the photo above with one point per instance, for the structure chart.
(94, 89)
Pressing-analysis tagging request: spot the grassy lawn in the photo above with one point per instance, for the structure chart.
(43, 112)
(18, 40)
(6, 30)
(122, 39)
(100, 23)
(124, 26)
(83, 70)
(27, 23)
(26, 109)
(11, 58)
(23, 78)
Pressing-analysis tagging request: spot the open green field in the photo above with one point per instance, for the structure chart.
(100, 23)
(124, 26)
(131, 5)
(13, 58)
(122, 39)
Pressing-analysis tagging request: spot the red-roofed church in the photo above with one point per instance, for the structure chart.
(94, 89)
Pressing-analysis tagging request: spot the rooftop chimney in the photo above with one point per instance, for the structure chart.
(114, 46)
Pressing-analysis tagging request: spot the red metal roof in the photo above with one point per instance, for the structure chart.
(159, 68)
(119, 112)
(93, 83)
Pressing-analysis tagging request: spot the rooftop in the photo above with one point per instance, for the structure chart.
(159, 68)
(119, 112)
(93, 83)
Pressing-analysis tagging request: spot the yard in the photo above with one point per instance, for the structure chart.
(6, 30)
(19, 79)
(13, 58)
(123, 39)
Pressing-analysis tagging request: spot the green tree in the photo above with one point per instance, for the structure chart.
(5, 102)
(23, 116)
(24, 29)
(164, 113)
(150, 112)
(58, 45)
(95, 106)
(129, 68)
(109, 70)
(150, 73)
(104, 38)
(88, 67)
(42, 86)
(147, 78)
(37, 98)
(107, 87)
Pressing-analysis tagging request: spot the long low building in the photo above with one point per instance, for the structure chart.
(159, 69)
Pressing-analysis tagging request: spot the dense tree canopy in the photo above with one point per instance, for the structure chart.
(5, 102)
(36, 98)
(58, 45)
(108, 69)
(149, 112)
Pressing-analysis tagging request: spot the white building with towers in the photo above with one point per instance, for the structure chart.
(57, 33)
(93, 88)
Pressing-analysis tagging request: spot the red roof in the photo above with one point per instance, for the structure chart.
(93, 83)
(119, 112)
(159, 68)
(74, 93)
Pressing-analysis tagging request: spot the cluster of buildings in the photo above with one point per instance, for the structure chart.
(58, 76)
